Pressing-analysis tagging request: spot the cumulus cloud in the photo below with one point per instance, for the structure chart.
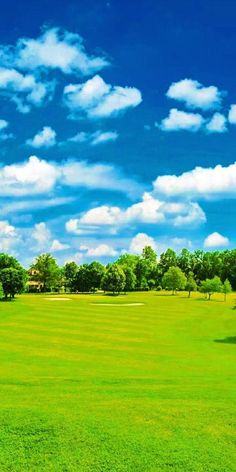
(194, 95)
(102, 250)
(6, 229)
(41, 234)
(181, 120)
(58, 246)
(54, 49)
(97, 99)
(98, 137)
(37, 176)
(217, 124)
(232, 115)
(44, 138)
(140, 241)
(216, 182)
(24, 90)
(216, 240)
(148, 211)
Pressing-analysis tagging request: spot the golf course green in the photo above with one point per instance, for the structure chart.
(141, 382)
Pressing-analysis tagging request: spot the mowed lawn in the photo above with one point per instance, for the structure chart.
(110, 388)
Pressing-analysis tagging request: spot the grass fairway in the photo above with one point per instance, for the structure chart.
(144, 388)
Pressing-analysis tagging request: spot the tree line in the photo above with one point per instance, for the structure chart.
(208, 272)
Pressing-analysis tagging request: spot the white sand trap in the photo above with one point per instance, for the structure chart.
(117, 304)
(57, 299)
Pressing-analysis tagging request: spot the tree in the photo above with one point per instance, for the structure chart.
(184, 261)
(226, 288)
(210, 286)
(191, 285)
(95, 272)
(174, 279)
(70, 271)
(130, 279)
(82, 279)
(47, 272)
(167, 259)
(13, 281)
(113, 279)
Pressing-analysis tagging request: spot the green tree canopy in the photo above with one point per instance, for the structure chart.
(210, 286)
(191, 285)
(113, 279)
(47, 272)
(174, 279)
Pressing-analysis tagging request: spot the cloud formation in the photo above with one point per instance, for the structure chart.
(44, 138)
(97, 99)
(37, 176)
(54, 49)
(194, 95)
(215, 240)
(216, 182)
(182, 120)
(110, 219)
(98, 137)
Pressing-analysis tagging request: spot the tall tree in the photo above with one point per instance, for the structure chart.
(226, 288)
(210, 286)
(113, 279)
(13, 281)
(70, 271)
(47, 272)
(174, 279)
(191, 285)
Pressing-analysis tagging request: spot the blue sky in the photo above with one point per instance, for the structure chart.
(117, 127)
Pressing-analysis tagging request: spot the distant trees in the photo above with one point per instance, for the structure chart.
(174, 279)
(210, 271)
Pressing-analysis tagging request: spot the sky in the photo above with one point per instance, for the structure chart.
(117, 127)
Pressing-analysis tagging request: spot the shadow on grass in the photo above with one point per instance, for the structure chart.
(228, 340)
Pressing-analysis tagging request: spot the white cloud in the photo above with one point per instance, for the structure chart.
(34, 204)
(97, 99)
(148, 211)
(217, 124)
(4, 136)
(24, 90)
(54, 49)
(194, 95)
(216, 240)
(6, 229)
(3, 124)
(37, 176)
(181, 120)
(41, 234)
(44, 138)
(232, 115)
(140, 241)
(30, 177)
(202, 182)
(102, 250)
(103, 137)
(58, 246)
(95, 138)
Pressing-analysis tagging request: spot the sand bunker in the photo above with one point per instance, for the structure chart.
(57, 299)
(117, 304)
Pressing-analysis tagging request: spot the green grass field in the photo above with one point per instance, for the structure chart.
(128, 388)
